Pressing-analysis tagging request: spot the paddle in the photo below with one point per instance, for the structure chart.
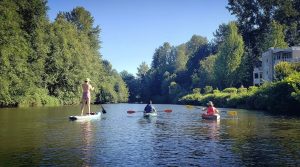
(167, 110)
(132, 111)
(103, 110)
(189, 106)
(232, 113)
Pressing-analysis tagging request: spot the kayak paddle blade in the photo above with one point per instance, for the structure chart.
(130, 111)
(168, 110)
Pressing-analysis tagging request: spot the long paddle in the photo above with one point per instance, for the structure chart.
(103, 110)
(132, 111)
(231, 113)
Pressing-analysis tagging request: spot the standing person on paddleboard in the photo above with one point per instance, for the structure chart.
(86, 95)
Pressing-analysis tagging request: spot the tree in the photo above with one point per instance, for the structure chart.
(220, 34)
(142, 70)
(43, 62)
(181, 58)
(84, 21)
(229, 58)
(163, 61)
(274, 37)
(254, 18)
(287, 13)
(162, 57)
(133, 85)
(197, 49)
(284, 69)
(206, 71)
(14, 52)
(194, 43)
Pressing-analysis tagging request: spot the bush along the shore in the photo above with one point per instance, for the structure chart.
(277, 97)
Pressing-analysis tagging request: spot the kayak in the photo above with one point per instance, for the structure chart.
(85, 117)
(150, 114)
(211, 117)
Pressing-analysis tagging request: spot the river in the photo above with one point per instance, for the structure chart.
(43, 136)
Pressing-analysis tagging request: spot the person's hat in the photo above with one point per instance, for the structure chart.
(210, 103)
(87, 80)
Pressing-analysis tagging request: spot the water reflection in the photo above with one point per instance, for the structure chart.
(87, 137)
(213, 128)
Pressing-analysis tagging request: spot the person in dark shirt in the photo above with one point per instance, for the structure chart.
(149, 108)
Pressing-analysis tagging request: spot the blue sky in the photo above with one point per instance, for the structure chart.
(131, 30)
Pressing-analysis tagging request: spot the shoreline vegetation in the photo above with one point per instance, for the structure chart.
(44, 63)
(277, 97)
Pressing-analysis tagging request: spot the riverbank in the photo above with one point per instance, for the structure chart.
(277, 97)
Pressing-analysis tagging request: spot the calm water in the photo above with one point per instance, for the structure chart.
(45, 137)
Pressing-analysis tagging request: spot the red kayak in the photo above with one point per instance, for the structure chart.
(211, 117)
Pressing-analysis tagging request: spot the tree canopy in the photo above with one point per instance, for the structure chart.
(44, 63)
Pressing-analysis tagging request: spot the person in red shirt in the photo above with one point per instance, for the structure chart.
(211, 110)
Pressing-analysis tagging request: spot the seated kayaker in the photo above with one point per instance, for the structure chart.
(210, 110)
(149, 108)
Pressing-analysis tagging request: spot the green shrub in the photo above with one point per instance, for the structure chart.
(216, 91)
(193, 99)
(208, 89)
(230, 90)
(252, 89)
(242, 90)
(294, 81)
(237, 101)
(196, 90)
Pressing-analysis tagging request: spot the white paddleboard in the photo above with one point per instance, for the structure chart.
(85, 117)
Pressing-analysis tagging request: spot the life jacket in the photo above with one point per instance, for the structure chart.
(210, 110)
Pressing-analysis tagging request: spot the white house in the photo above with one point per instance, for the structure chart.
(269, 59)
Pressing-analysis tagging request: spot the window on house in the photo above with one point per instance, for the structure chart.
(255, 75)
(287, 55)
(260, 75)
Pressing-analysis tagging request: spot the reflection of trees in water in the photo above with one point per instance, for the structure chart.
(187, 143)
(212, 129)
(265, 142)
(208, 129)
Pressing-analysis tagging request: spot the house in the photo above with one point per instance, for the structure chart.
(269, 59)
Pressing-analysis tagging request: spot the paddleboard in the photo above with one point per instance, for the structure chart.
(85, 117)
